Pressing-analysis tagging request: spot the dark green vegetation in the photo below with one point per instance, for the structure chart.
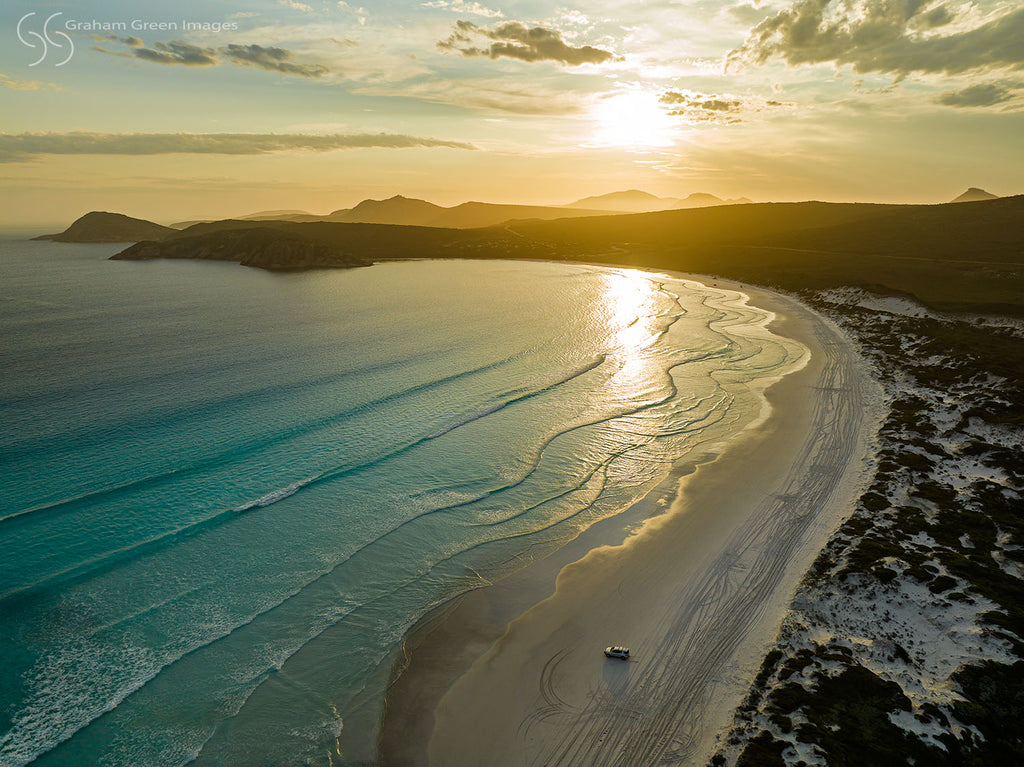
(284, 245)
(945, 513)
(958, 256)
(99, 226)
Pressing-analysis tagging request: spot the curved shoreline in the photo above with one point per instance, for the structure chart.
(504, 675)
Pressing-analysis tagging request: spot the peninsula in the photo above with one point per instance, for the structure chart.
(955, 256)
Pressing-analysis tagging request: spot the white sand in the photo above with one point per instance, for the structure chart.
(697, 594)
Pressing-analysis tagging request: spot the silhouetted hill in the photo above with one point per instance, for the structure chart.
(954, 256)
(702, 200)
(478, 214)
(274, 215)
(264, 247)
(394, 210)
(468, 215)
(631, 200)
(100, 226)
(974, 194)
(263, 215)
(407, 211)
(278, 245)
(636, 201)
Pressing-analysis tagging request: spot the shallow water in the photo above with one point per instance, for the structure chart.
(226, 493)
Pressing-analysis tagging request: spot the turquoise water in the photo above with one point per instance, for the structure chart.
(226, 494)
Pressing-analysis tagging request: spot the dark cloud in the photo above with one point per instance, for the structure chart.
(131, 42)
(723, 109)
(273, 59)
(705, 108)
(700, 101)
(15, 147)
(985, 95)
(176, 52)
(885, 36)
(517, 41)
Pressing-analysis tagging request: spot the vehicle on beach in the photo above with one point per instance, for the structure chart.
(622, 653)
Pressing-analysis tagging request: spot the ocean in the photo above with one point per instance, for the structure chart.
(226, 494)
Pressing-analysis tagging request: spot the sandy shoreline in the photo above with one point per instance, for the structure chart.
(501, 677)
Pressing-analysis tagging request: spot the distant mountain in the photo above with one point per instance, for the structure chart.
(274, 214)
(698, 200)
(100, 226)
(632, 200)
(394, 210)
(409, 211)
(263, 215)
(974, 194)
(704, 200)
(636, 201)
(469, 215)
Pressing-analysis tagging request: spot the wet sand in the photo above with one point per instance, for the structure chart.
(513, 674)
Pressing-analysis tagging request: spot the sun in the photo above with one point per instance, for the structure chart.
(633, 120)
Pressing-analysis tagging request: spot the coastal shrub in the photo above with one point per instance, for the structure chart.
(874, 501)
(763, 751)
(994, 703)
(933, 491)
(974, 373)
(796, 664)
(771, 660)
(941, 584)
(848, 719)
(916, 462)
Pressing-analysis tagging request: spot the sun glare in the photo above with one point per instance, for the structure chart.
(631, 304)
(629, 299)
(632, 120)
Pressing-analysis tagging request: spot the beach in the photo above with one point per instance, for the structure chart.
(514, 674)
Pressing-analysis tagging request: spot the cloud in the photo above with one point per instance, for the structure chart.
(748, 13)
(722, 109)
(461, 6)
(700, 101)
(25, 85)
(178, 52)
(984, 95)
(272, 59)
(895, 37)
(18, 147)
(515, 40)
(296, 6)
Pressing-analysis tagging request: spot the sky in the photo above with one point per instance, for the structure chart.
(208, 108)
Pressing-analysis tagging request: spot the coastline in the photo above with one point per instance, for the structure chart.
(512, 673)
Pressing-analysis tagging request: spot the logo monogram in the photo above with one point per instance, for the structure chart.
(45, 40)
